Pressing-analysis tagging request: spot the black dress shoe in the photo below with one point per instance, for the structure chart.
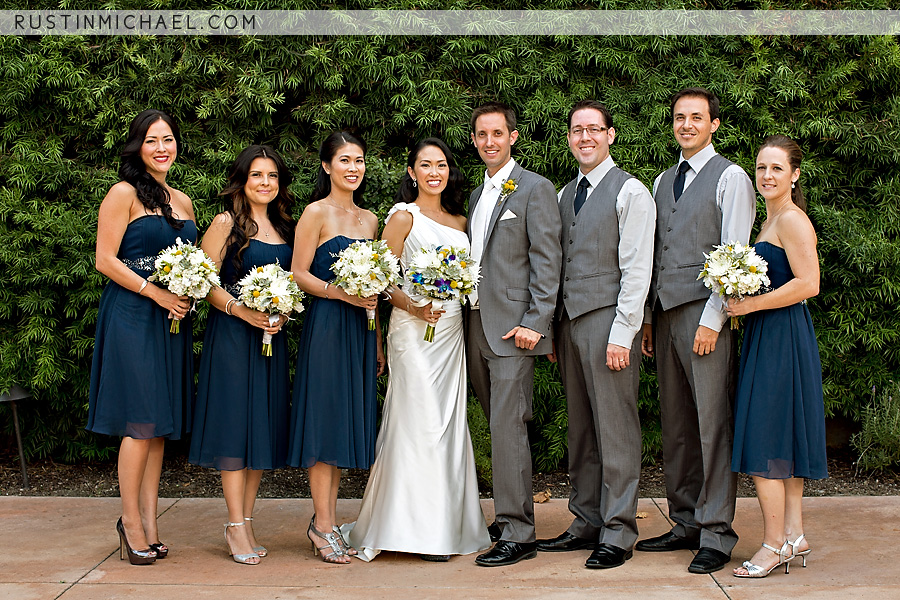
(435, 557)
(607, 556)
(495, 532)
(708, 560)
(507, 553)
(666, 543)
(564, 542)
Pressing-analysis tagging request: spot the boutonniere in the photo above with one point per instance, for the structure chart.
(508, 187)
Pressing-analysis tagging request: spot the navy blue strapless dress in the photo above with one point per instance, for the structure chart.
(334, 400)
(779, 429)
(241, 413)
(141, 375)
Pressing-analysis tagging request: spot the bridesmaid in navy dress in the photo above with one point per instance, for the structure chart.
(779, 434)
(240, 422)
(141, 375)
(334, 402)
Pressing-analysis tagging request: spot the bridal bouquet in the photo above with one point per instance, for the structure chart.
(270, 289)
(366, 268)
(734, 271)
(185, 270)
(442, 273)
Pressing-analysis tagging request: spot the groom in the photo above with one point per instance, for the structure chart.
(515, 230)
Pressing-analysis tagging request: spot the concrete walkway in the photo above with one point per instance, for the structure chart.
(67, 548)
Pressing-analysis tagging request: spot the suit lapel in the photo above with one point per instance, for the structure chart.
(498, 207)
(473, 202)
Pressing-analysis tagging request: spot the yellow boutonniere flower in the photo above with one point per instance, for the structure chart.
(508, 187)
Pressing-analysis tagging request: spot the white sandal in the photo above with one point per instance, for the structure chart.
(802, 553)
(755, 571)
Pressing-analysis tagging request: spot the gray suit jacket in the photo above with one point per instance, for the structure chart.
(520, 266)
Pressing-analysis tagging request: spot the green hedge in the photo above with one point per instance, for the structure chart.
(66, 103)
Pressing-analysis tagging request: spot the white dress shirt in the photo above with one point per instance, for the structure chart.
(636, 212)
(737, 200)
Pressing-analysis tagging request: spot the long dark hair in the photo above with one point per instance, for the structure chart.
(795, 157)
(243, 227)
(132, 169)
(452, 196)
(327, 151)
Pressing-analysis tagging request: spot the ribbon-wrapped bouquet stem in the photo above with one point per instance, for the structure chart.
(185, 270)
(442, 274)
(272, 290)
(734, 270)
(366, 268)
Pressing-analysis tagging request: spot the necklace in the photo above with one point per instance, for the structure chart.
(355, 213)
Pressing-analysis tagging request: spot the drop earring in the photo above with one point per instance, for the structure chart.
(415, 183)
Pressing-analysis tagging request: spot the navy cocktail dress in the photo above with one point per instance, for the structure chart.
(241, 414)
(779, 427)
(141, 375)
(334, 401)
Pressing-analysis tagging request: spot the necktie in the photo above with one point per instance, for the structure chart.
(679, 179)
(581, 193)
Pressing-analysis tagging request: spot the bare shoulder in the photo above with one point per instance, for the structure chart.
(181, 204)
(223, 221)
(460, 221)
(313, 210)
(796, 224)
(122, 194)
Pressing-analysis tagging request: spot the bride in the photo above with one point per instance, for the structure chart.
(422, 495)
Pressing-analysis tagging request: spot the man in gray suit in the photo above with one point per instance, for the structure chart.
(514, 228)
(608, 221)
(702, 201)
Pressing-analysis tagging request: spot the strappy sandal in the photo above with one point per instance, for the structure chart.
(260, 550)
(337, 550)
(756, 571)
(244, 559)
(801, 553)
(345, 545)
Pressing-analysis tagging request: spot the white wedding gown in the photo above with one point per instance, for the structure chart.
(422, 495)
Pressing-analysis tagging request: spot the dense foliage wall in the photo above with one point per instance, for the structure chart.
(65, 104)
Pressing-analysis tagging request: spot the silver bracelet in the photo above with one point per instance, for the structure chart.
(228, 306)
(143, 285)
(326, 290)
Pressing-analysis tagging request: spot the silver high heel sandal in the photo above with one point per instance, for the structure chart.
(345, 545)
(803, 553)
(244, 559)
(755, 571)
(337, 551)
(260, 550)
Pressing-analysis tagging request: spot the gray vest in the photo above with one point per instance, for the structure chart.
(590, 266)
(684, 231)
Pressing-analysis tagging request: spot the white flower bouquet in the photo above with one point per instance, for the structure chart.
(185, 270)
(366, 268)
(270, 289)
(733, 271)
(442, 273)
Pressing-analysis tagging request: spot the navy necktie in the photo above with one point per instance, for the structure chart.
(679, 179)
(581, 193)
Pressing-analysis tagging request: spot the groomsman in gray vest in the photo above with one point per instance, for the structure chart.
(515, 233)
(702, 201)
(608, 220)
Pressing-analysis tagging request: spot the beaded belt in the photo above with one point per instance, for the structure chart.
(146, 263)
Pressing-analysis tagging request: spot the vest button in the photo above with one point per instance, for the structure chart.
(669, 229)
(567, 278)
(565, 296)
(571, 241)
(665, 248)
(673, 210)
(569, 259)
(573, 223)
(662, 267)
